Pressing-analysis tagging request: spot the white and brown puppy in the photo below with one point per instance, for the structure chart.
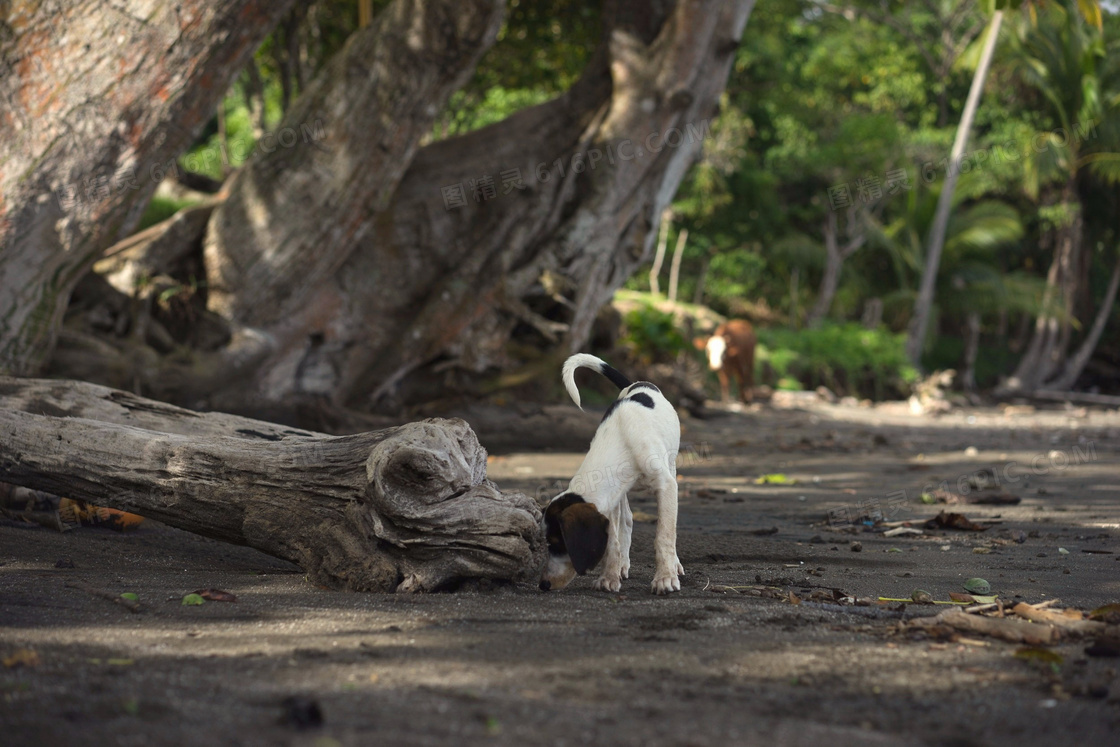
(590, 523)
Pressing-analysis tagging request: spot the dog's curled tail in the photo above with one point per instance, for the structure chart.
(584, 360)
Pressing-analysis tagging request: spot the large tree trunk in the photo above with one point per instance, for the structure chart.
(294, 215)
(94, 103)
(406, 509)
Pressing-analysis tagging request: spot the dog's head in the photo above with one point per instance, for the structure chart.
(576, 534)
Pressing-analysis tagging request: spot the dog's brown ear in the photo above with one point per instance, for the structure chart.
(700, 343)
(585, 535)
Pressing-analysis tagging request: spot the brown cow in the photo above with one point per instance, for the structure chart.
(730, 352)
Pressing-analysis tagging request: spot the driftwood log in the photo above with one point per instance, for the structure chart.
(406, 508)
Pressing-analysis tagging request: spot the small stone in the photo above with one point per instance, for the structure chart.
(302, 712)
(856, 546)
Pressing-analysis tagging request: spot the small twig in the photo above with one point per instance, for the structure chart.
(876, 612)
(1076, 626)
(982, 608)
(128, 604)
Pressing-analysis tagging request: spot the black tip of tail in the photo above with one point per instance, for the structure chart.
(615, 377)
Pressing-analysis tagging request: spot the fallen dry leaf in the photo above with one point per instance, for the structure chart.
(954, 521)
(23, 657)
(215, 595)
(980, 497)
(1109, 613)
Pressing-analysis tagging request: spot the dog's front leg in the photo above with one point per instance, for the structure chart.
(626, 532)
(666, 564)
(610, 577)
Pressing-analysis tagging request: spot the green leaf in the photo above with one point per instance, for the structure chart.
(1041, 655)
(193, 600)
(775, 478)
(1092, 12)
(977, 586)
(130, 596)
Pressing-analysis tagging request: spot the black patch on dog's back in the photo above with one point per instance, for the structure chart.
(641, 398)
(643, 385)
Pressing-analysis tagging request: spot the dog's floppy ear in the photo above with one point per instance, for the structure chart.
(585, 535)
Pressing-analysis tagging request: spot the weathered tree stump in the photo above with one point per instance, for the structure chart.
(406, 508)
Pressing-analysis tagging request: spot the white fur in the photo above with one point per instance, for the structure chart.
(717, 346)
(579, 360)
(635, 445)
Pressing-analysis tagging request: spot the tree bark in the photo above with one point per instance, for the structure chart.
(923, 305)
(405, 509)
(94, 103)
(295, 215)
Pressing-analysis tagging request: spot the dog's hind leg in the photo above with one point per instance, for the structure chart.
(625, 532)
(667, 567)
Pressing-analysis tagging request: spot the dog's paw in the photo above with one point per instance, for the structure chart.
(608, 583)
(665, 584)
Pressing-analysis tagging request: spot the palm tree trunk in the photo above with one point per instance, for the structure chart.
(923, 305)
(971, 349)
(1045, 356)
(1075, 365)
(659, 257)
(675, 268)
(701, 280)
(834, 262)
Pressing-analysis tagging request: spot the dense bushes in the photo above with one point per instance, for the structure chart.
(847, 358)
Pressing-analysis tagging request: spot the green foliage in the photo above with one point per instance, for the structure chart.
(160, 209)
(846, 358)
(652, 335)
(541, 50)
